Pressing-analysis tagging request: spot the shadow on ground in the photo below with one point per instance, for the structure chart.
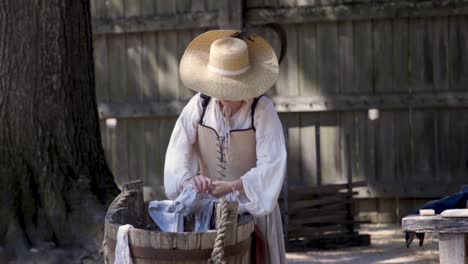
(387, 247)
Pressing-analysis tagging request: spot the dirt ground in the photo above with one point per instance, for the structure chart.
(387, 247)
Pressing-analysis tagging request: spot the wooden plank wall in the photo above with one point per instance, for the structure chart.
(407, 152)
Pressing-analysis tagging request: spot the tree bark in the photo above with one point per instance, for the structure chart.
(55, 184)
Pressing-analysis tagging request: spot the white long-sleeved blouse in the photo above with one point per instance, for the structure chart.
(262, 184)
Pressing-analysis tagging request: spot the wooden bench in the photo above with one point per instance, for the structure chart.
(452, 235)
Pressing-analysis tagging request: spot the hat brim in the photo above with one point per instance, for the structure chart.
(261, 75)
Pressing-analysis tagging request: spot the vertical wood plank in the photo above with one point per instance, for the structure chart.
(456, 156)
(168, 82)
(440, 51)
(385, 152)
(348, 125)
(327, 58)
(346, 58)
(382, 48)
(136, 147)
(444, 139)
(117, 55)
(363, 69)
(400, 58)
(117, 59)
(167, 241)
(207, 240)
(274, 41)
(307, 60)
(331, 156)
(365, 141)
(137, 150)
(154, 178)
(288, 82)
(458, 79)
(149, 63)
(155, 239)
(100, 57)
(122, 169)
(346, 86)
(230, 14)
(420, 55)
(288, 85)
(307, 142)
(149, 91)
(133, 91)
(133, 55)
(452, 248)
(423, 124)
(308, 86)
(403, 165)
(383, 80)
(292, 124)
(458, 56)
(140, 238)
(363, 56)
(183, 39)
(401, 83)
(441, 83)
(167, 49)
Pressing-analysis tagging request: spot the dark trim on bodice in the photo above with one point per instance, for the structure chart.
(205, 100)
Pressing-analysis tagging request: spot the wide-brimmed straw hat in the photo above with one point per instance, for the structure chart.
(229, 68)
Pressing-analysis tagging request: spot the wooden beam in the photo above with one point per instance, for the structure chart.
(136, 110)
(362, 11)
(394, 101)
(452, 248)
(155, 23)
(365, 102)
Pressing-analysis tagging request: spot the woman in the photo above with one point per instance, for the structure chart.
(228, 140)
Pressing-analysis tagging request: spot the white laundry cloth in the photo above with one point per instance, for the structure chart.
(455, 213)
(187, 201)
(122, 250)
(204, 215)
(162, 212)
(169, 215)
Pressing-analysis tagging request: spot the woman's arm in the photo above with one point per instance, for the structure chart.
(181, 162)
(222, 188)
(263, 183)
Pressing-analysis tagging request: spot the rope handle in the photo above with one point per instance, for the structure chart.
(217, 255)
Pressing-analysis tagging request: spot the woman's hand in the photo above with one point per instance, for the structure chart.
(202, 184)
(221, 188)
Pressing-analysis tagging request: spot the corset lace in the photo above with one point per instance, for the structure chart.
(222, 158)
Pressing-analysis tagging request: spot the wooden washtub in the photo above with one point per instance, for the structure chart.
(147, 246)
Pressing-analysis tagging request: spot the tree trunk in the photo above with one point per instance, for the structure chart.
(55, 184)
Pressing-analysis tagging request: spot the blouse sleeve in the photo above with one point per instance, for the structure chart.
(181, 162)
(263, 183)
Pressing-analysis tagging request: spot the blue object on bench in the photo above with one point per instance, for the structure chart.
(455, 201)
